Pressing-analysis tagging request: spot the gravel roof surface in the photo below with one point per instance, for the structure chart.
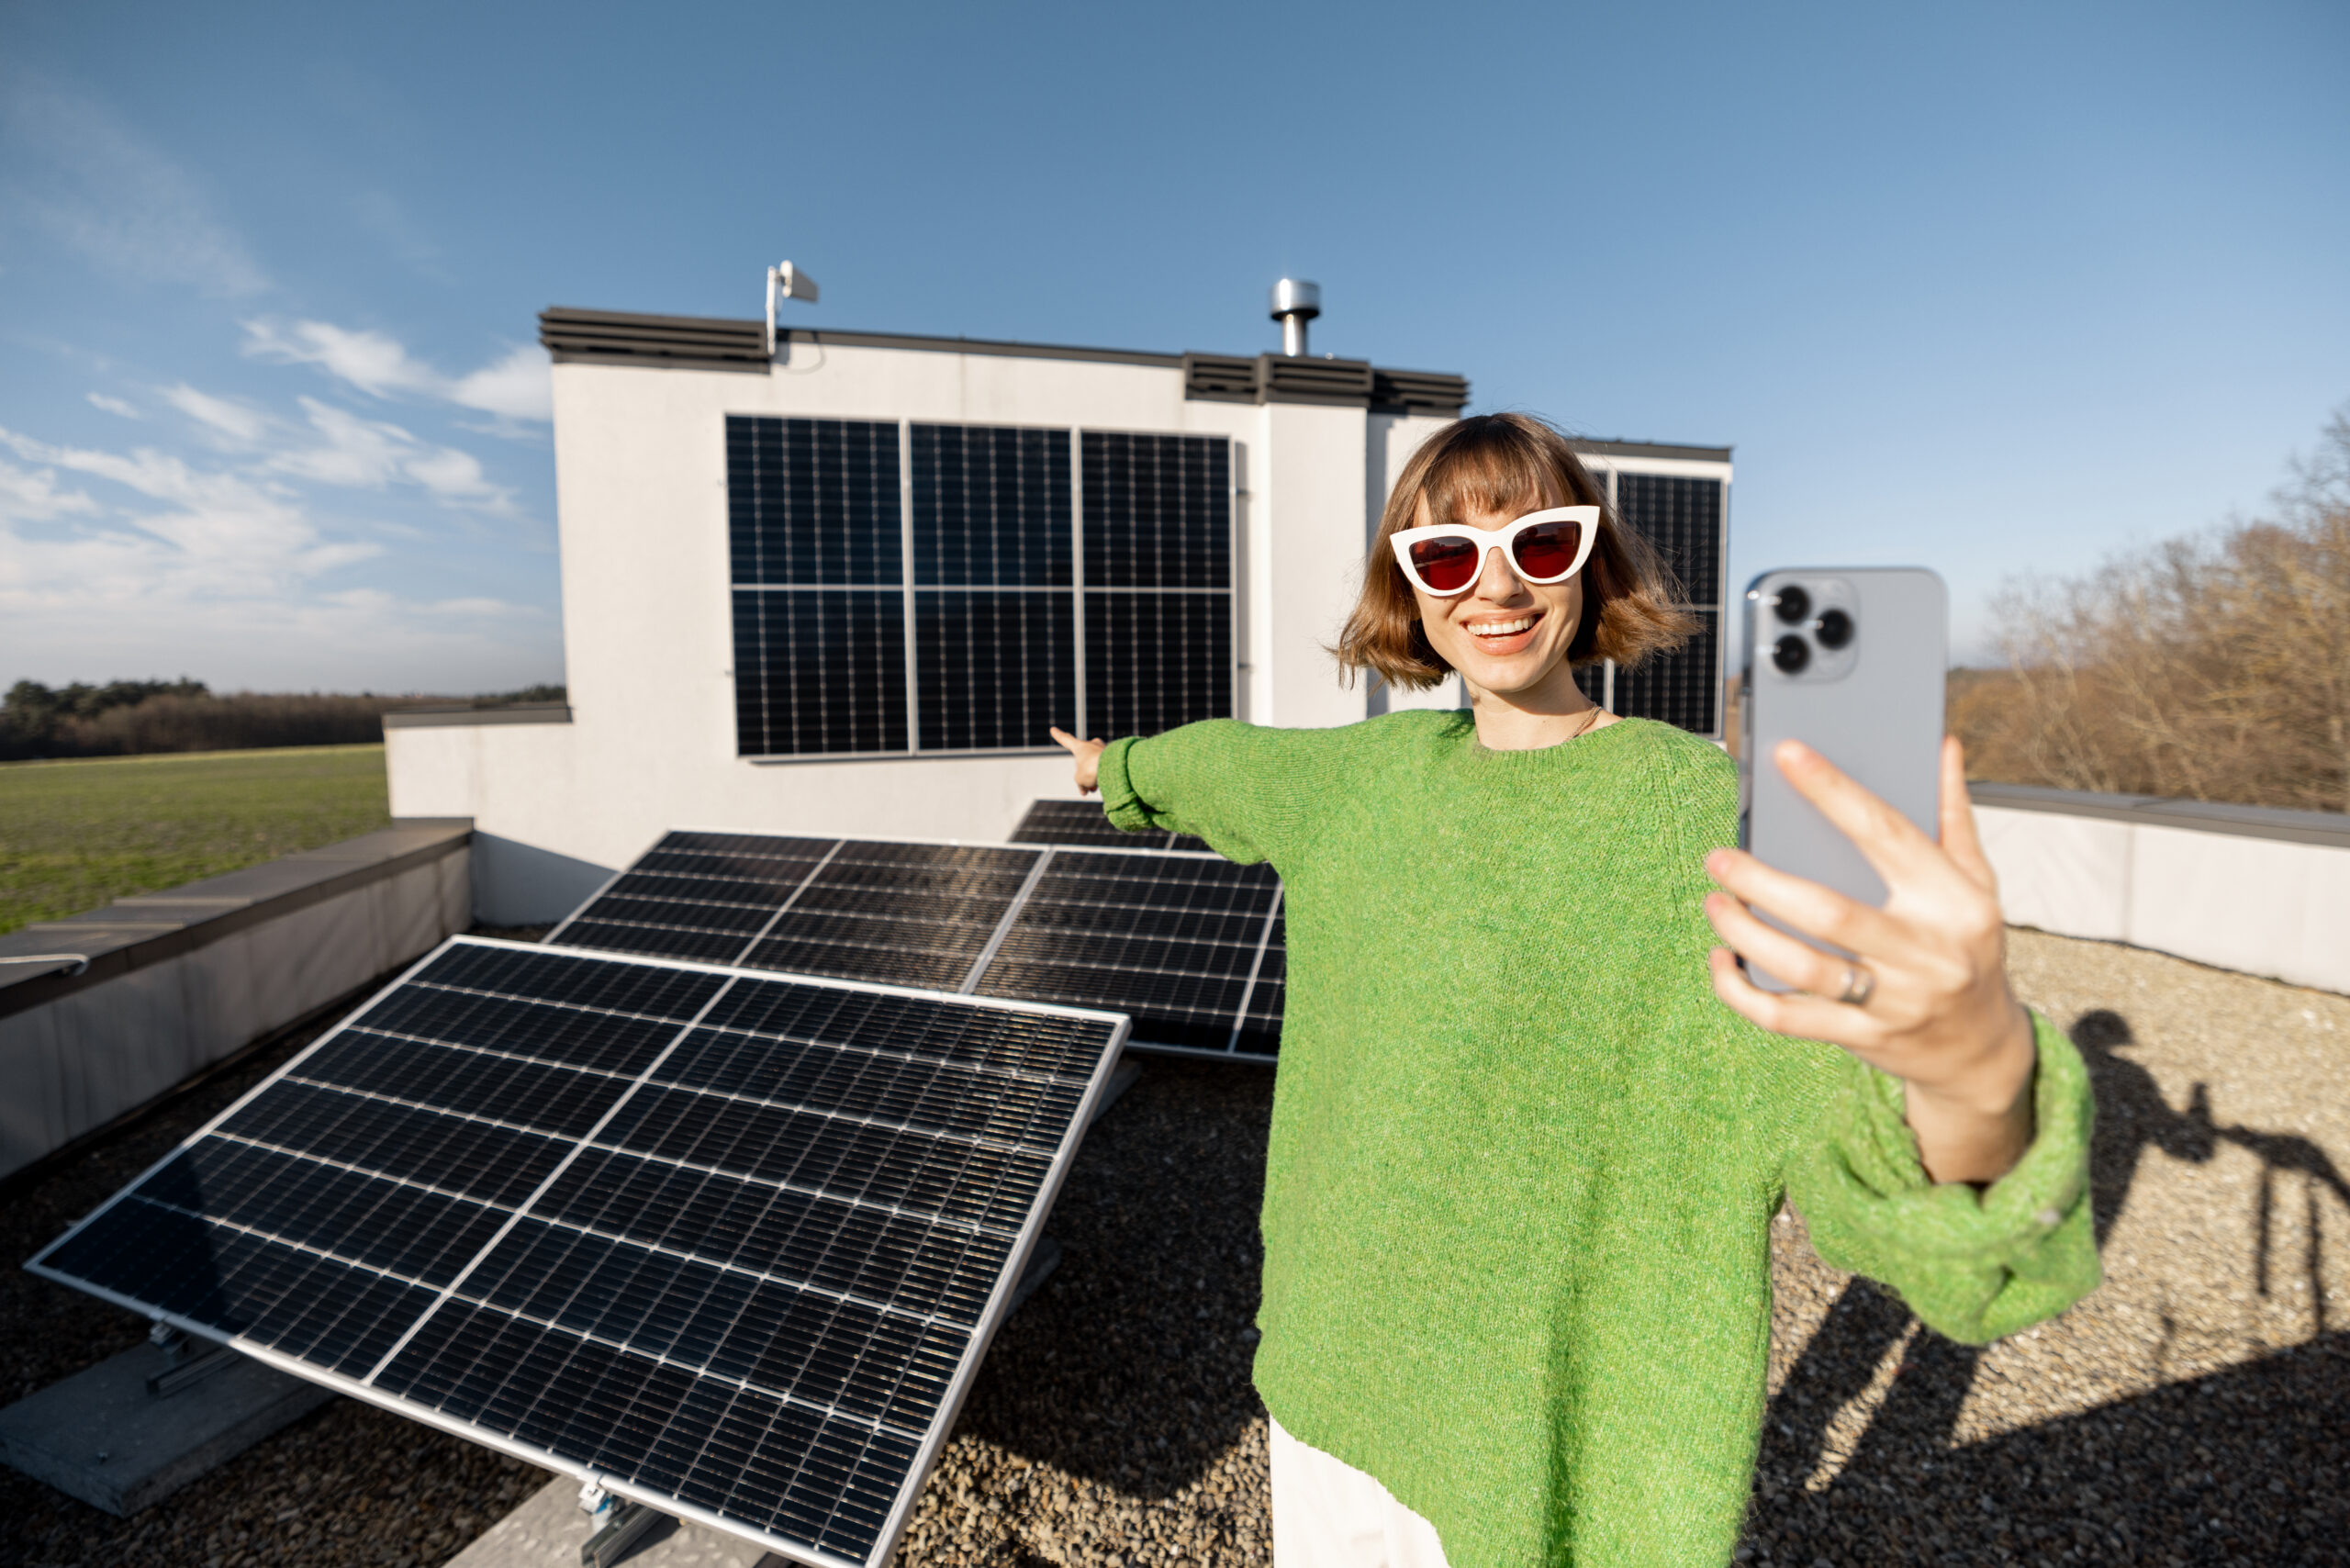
(2192, 1411)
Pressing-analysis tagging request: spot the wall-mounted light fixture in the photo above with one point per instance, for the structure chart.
(786, 282)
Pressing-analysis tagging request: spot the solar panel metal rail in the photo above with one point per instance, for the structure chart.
(1189, 945)
(725, 1243)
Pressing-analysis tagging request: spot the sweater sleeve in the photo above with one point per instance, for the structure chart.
(1240, 787)
(1974, 1265)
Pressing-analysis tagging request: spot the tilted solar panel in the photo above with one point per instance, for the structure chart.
(730, 1245)
(1187, 943)
(1084, 822)
(1176, 940)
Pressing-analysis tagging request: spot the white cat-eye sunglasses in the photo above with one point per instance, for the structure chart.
(1548, 547)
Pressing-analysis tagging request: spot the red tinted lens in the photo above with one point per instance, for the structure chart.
(1548, 549)
(1447, 563)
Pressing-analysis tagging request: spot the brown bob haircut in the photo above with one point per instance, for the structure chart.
(1510, 463)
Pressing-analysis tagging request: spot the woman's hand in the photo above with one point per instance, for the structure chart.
(1937, 1013)
(1089, 759)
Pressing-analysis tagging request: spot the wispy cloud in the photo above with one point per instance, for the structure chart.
(78, 174)
(238, 422)
(359, 453)
(101, 402)
(514, 386)
(32, 495)
(226, 531)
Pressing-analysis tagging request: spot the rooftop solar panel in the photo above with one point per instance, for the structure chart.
(1084, 822)
(730, 1245)
(1187, 943)
(1176, 940)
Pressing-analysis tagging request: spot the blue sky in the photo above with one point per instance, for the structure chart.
(2000, 289)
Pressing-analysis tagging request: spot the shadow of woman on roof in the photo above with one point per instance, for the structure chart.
(1909, 1494)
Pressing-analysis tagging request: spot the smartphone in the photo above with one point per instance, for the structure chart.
(1852, 661)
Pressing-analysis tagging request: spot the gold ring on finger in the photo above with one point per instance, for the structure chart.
(1859, 985)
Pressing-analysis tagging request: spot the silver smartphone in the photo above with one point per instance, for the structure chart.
(1852, 662)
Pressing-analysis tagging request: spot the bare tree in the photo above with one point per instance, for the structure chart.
(2213, 668)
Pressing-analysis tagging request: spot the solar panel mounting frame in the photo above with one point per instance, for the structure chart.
(950, 1405)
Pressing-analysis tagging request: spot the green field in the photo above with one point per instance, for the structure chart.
(77, 835)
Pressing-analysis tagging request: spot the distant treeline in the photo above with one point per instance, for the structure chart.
(2208, 668)
(123, 718)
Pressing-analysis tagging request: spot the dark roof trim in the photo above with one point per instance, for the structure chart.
(455, 714)
(708, 342)
(2330, 828)
(987, 346)
(1649, 449)
(657, 340)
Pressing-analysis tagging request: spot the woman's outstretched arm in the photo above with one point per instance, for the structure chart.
(1245, 789)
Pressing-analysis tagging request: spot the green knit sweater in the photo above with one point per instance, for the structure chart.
(1523, 1163)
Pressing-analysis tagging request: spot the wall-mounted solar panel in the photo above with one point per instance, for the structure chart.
(1084, 822)
(817, 564)
(905, 586)
(729, 1244)
(1189, 944)
(1158, 570)
(1684, 516)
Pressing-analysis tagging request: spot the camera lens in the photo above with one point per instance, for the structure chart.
(1793, 604)
(1834, 629)
(1791, 653)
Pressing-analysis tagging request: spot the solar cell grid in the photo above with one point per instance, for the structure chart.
(1173, 939)
(754, 1291)
(1084, 822)
(820, 670)
(991, 506)
(1683, 687)
(914, 915)
(1156, 660)
(993, 669)
(1682, 516)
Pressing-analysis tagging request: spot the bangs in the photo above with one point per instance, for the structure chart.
(1498, 468)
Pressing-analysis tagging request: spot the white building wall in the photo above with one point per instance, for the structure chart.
(641, 484)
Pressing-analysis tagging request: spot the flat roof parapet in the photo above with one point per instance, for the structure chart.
(619, 338)
(146, 928)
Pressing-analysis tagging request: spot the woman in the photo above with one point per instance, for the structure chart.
(1528, 1131)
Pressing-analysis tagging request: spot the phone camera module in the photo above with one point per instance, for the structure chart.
(1834, 628)
(1791, 653)
(1793, 604)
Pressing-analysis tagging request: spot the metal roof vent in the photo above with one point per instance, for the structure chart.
(1295, 302)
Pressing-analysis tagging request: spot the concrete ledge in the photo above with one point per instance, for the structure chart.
(182, 978)
(2245, 887)
(101, 1436)
(2330, 828)
(148, 928)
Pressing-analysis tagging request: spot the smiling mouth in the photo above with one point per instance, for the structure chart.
(1494, 633)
